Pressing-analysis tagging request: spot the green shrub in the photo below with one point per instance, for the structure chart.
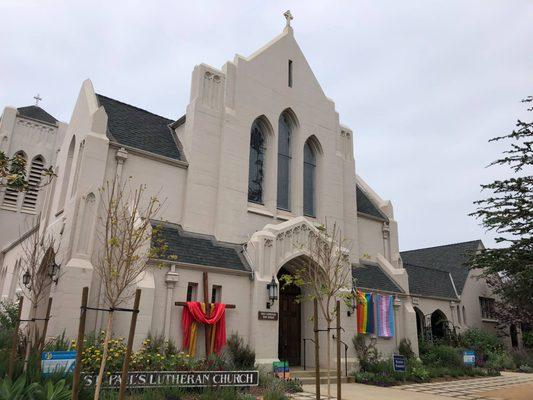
(527, 339)
(8, 314)
(226, 393)
(442, 356)
(274, 394)
(292, 386)
(366, 353)
(416, 371)
(482, 341)
(379, 379)
(405, 349)
(239, 354)
(499, 361)
(522, 357)
(526, 368)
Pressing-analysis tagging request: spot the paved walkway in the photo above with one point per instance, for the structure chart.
(509, 386)
(474, 389)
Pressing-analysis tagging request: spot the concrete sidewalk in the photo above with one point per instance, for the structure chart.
(357, 391)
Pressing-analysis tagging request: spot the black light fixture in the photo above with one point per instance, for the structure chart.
(26, 279)
(53, 271)
(353, 303)
(272, 288)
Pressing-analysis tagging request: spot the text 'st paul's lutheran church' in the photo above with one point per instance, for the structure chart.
(259, 159)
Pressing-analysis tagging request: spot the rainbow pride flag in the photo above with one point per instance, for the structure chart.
(365, 312)
(385, 311)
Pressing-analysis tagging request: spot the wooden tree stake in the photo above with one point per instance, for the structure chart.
(79, 347)
(338, 310)
(127, 356)
(14, 341)
(317, 349)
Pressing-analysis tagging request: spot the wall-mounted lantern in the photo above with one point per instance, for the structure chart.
(26, 279)
(272, 288)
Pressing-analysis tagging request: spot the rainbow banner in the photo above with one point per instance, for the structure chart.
(385, 311)
(365, 312)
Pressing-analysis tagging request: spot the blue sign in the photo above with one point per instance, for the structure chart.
(398, 363)
(469, 358)
(54, 362)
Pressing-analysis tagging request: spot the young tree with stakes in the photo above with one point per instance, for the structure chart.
(326, 275)
(509, 211)
(124, 233)
(38, 272)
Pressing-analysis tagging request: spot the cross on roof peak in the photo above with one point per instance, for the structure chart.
(37, 99)
(288, 16)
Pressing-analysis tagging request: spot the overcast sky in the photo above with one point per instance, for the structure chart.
(423, 84)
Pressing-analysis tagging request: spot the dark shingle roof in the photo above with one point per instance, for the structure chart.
(138, 128)
(365, 205)
(450, 258)
(371, 276)
(194, 248)
(36, 112)
(430, 282)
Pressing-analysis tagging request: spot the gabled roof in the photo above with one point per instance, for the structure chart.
(366, 206)
(430, 282)
(371, 276)
(140, 129)
(450, 258)
(199, 249)
(36, 112)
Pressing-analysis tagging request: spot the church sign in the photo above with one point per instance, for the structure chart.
(267, 316)
(177, 378)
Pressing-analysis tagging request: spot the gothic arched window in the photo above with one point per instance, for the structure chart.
(256, 164)
(34, 180)
(309, 179)
(66, 174)
(284, 161)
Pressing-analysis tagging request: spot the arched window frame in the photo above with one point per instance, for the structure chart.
(312, 150)
(287, 125)
(11, 195)
(256, 163)
(35, 175)
(66, 174)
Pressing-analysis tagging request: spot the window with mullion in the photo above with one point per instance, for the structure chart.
(284, 163)
(256, 165)
(309, 180)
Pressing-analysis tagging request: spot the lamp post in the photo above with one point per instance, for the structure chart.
(272, 288)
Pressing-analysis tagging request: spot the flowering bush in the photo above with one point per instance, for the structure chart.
(154, 355)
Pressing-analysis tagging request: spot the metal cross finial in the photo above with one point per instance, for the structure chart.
(37, 99)
(288, 16)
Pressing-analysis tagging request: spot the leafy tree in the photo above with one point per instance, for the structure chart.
(13, 173)
(508, 210)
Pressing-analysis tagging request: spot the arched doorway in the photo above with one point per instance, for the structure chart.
(290, 322)
(419, 323)
(438, 324)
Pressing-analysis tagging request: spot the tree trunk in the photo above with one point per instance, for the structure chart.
(328, 361)
(29, 340)
(104, 356)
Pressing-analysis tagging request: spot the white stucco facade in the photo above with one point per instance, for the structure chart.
(206, 194)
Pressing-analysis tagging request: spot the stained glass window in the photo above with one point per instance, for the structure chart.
(256, 164)
(309, 180)
(284, 162)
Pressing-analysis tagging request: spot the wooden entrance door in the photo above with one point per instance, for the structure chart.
(289, 340)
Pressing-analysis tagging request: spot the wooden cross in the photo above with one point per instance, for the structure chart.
(207, 311)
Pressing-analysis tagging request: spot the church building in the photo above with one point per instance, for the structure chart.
(259, 159)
